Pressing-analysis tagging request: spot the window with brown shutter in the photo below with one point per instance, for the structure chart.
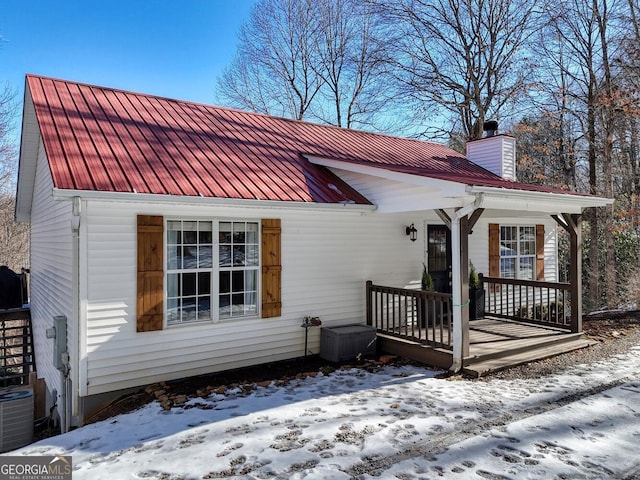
(150, 290)
(271, 268)
(194, 282)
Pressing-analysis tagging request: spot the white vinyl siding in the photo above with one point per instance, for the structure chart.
(51, 265)
(496, 154)
(326, 259)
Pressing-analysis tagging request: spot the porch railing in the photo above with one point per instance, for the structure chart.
(544, 303)
(16, 347)
(416, 315)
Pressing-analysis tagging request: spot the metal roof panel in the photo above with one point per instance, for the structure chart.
(104, 139)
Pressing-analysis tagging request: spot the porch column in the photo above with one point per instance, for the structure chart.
(575, 232)
(460, 289)
(464, 283)
(572, 223)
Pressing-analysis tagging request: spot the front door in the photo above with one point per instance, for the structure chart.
(439, 257)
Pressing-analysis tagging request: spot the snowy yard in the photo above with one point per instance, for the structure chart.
(399, 422)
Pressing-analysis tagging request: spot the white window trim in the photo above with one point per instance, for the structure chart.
(215, 272)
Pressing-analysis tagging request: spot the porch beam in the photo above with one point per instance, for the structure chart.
(473, 219)
(561, 222)
(446, 219)
(572, 223)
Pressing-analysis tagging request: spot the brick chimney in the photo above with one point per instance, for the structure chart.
(496, 153)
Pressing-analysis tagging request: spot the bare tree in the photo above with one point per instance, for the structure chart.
(8, 109)
(14, 237)
(462, 59)
(273, 71)
(352, 61)
(312, 59)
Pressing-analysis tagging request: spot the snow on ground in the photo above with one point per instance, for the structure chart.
(399, 422)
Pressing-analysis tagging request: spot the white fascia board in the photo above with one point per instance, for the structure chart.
(502, 198)
(64, 194)
(28, 160)
(448, 189)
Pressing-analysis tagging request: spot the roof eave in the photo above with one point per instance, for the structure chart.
(27, 159)
(544, 201)
(61, 194)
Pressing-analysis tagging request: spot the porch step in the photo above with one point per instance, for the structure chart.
(478, 367)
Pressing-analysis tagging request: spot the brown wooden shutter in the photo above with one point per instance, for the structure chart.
(494, 254)
(271, 268)
(494, 250)
(540, 252)
(150, 273)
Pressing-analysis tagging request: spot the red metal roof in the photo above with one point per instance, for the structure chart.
(110, 140)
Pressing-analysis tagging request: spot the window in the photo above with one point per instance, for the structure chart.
(238, 272)
(199, 278)
(518, 252)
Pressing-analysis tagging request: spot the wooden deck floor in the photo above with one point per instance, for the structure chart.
(496, 344)
(490, 336)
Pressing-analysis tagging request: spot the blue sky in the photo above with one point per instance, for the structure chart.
(175, 49)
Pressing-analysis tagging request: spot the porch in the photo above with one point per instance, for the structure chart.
(524, 321)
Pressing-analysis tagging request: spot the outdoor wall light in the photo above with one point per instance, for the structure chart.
(412, 232)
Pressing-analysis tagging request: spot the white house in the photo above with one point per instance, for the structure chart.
(179, 239)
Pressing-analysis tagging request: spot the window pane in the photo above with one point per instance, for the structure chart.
(204, 308)
(250, 277)
(237, 300)
(239, 232)
(224, 235)
(173, 312)
(204, 283)
(238, 255)
(251, 305)
(189, 257)
(252, 233)
(189, 309)
(508, 268)
(173, 285)
(224, 306)
(205, 233)
(173, 233)
(252, 255)
(508, 241)
(225, 282)
(188, 284)
(174, 258)
(225, 256)
(204, 257)
(190, 232)
(527, 241)
(526, 268)
(238, 281)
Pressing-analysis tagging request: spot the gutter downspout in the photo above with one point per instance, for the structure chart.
(67, 395)
(456, 280)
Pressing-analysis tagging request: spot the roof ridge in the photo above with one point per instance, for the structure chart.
(237, 110)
